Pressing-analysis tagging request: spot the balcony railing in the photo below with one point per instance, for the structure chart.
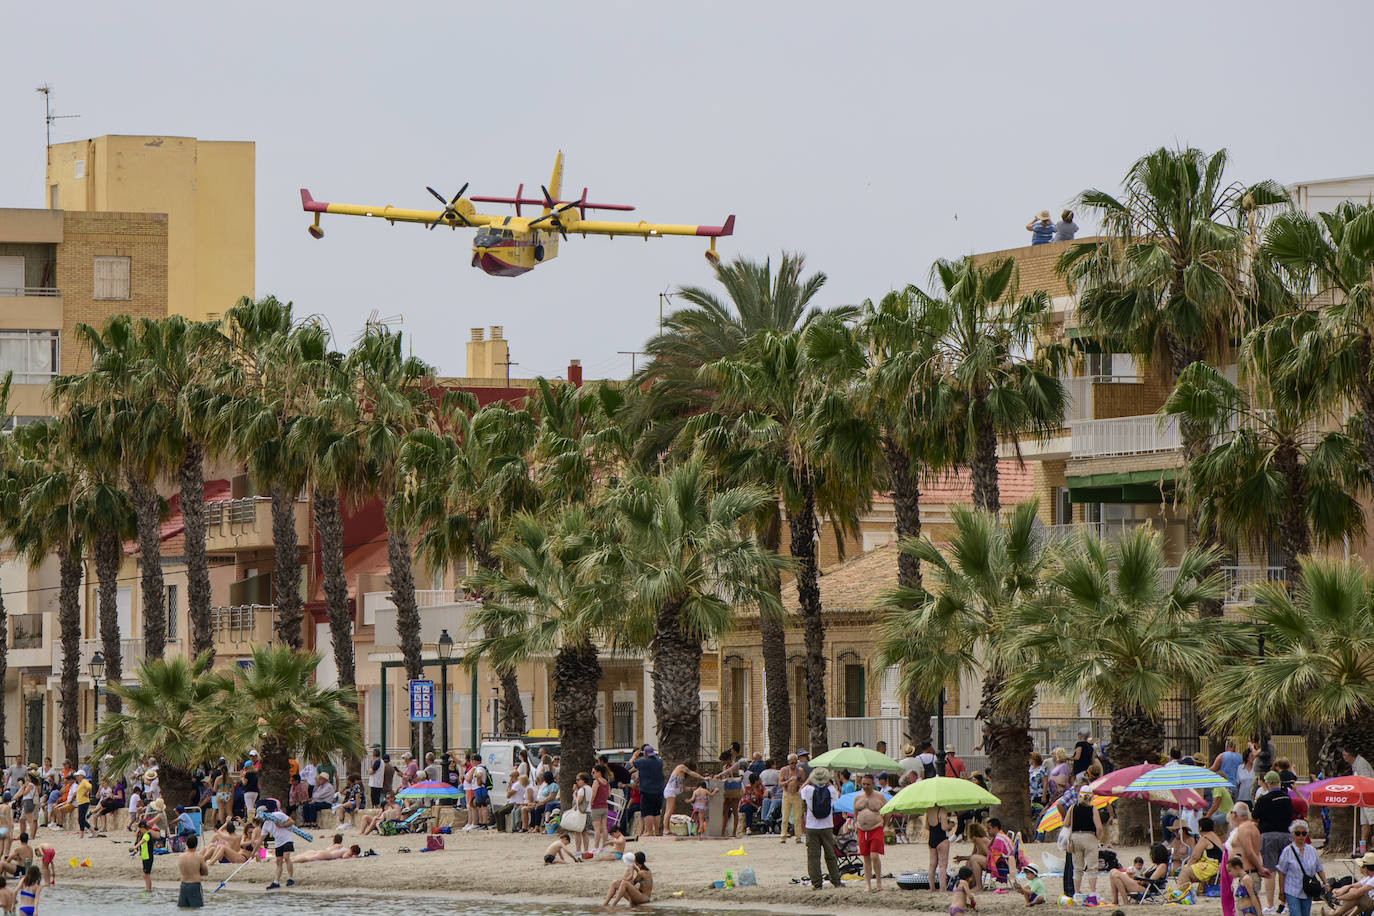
(1241, 580)
(424, 597)
(241, 623)
(26, 631)
(1124, 436)
(29, 291)
(233, 511)
(130, 654)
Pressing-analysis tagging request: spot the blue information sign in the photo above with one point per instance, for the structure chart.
(422, 701)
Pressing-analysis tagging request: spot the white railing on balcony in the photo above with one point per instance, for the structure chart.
(1124, 436)
(1241, 580)
(424, 597)
(236, 623)
(29, 291)
(130, 654)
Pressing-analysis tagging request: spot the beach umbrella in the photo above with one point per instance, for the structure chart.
(845, 802)
(857, 760)
(1115, 782)
(1177, 777)
(1340, 792)
(430, 790)
(1052, 820)
(941, 792)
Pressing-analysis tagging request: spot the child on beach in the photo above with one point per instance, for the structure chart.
(1034, 888)
(29, 889)
(557, 852)
(1247, 890)
(143, 848)
(961, 898)
(700, 798)
(7, 900)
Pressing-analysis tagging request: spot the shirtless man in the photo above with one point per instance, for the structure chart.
(192, 869)
(869, 824)
(635, 888)
(1245, 840)
(20, 857)
(790, 779)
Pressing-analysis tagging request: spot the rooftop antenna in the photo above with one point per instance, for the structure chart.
(48, 116)
(507, 363)
(631, 354)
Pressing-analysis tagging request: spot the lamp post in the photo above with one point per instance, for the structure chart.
(1265, 761)
(444, 649)
(495, 710)
(97, 670)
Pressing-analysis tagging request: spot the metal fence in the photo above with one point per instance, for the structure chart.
(965, 733)
(710, 731)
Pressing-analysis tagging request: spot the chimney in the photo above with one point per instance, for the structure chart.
(575, 373)
(497, 331)
(478, 335)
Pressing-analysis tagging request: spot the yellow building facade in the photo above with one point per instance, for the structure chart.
(206, 190)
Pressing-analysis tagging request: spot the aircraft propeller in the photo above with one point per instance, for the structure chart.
(450, 209)
(555, 211)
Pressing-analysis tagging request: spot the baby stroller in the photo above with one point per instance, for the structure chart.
(847, 851)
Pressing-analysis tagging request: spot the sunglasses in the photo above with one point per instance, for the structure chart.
(1299, 833)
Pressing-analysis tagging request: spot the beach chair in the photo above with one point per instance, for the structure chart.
(417, 822)
(847, 851)
(615, 806)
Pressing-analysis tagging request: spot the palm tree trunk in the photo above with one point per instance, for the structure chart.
(4, 668)
(1364, 397)
(145, 499)
(329, 522)
(401, 581)
(576, 673)
(69, 630)
(274, 779)
(512, 707)
(983, 464)
(677, 687)
(773, 638)
(1006, 738)
(1293, 533)
(108, 551)
(801, 525)
(906, 501)
(191, 475)
(1137, 737)
(286, 567)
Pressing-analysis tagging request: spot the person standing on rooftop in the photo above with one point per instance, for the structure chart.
(1066, 228)
(1041, 229)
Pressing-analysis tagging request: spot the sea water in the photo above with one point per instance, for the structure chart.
(86, 899)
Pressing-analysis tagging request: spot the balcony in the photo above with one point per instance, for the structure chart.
(130, 654)
(1103, 531)
(29, 635)
(439, 611)
(1124, 436)
(237, 629)
(246, 524)
(1241, 580)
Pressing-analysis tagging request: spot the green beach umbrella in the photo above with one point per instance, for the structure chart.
(940, 792)
(857, 760)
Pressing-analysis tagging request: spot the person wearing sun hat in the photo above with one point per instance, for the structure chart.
(1360, 894)
(1041, 228)
(820, 826)
(1034, 888)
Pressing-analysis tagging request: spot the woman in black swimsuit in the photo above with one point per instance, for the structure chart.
(938, 825)
(1205, 862)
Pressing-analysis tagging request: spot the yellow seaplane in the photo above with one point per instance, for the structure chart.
(508, 246)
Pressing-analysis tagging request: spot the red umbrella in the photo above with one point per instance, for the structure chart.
(1341, 792)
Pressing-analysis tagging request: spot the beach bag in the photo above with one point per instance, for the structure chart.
(573, 821)
(679, 825)
(820, 802)
(433, 842)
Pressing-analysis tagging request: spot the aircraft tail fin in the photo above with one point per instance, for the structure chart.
(556, 182)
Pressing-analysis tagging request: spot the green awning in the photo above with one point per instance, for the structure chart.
(1123, 487)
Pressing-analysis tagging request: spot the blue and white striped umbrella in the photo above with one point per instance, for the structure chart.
(1177, 777)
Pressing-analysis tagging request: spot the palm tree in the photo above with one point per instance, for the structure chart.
(688, 563)
(10, 491)
(272, 364)
(469, 482)
(977, 586)
(276, 705)
(1325, 342)
(711, 328)
(991, 368)
(1166, 279)
(774, 401)
(1317, 642)
(391, 389)
(545, 598)
(164, 707)
(1116, 632)
(1276, 472)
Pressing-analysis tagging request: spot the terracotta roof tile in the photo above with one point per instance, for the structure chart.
(854, 584)
(1015, 483)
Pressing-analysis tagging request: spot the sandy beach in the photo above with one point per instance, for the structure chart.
(489, 863)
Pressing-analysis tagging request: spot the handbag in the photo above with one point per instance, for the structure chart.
(573, 821)
(1311, 885)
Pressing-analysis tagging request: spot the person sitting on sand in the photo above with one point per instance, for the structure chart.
(615, 846)
(225, 845)
(701, 797)
(352, 801)
(557, 853)
(20, 857)
(391, 811)
(1034, 888)
(635, 888)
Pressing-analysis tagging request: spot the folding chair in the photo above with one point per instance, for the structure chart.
(616, 807)
(847, 851)
(416, 822)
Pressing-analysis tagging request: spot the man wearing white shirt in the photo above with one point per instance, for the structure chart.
(820, 829)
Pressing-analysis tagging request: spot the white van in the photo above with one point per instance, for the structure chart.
(499, 756)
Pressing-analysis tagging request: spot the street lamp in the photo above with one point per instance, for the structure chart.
(97, 669)
(444, 649)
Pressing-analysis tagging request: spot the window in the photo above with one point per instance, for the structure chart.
(1063, 506)
(30, 355)
(172, 613)
(52, 197)
(854, 707)
(111, 278)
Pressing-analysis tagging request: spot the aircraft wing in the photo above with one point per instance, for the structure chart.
(396, 214)
(644, 229)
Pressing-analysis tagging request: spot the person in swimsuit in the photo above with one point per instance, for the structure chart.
(46, 854)
(1204, 863)
(938, 827)
(1126, 885)
(7, 899)
(335, 850)
(869, 825)
(225, 845)
(20, 857)
(558, 851)
(701, 797)
(961, 898)
(6, 825)
(635, 888)
(673, 788)
(191, 867)
(1247, 890)
(29, 889)
(978, 859)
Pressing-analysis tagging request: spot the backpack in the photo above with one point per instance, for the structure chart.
(928, 769)
(820, 802)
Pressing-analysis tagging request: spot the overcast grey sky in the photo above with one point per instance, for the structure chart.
(874, 137)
